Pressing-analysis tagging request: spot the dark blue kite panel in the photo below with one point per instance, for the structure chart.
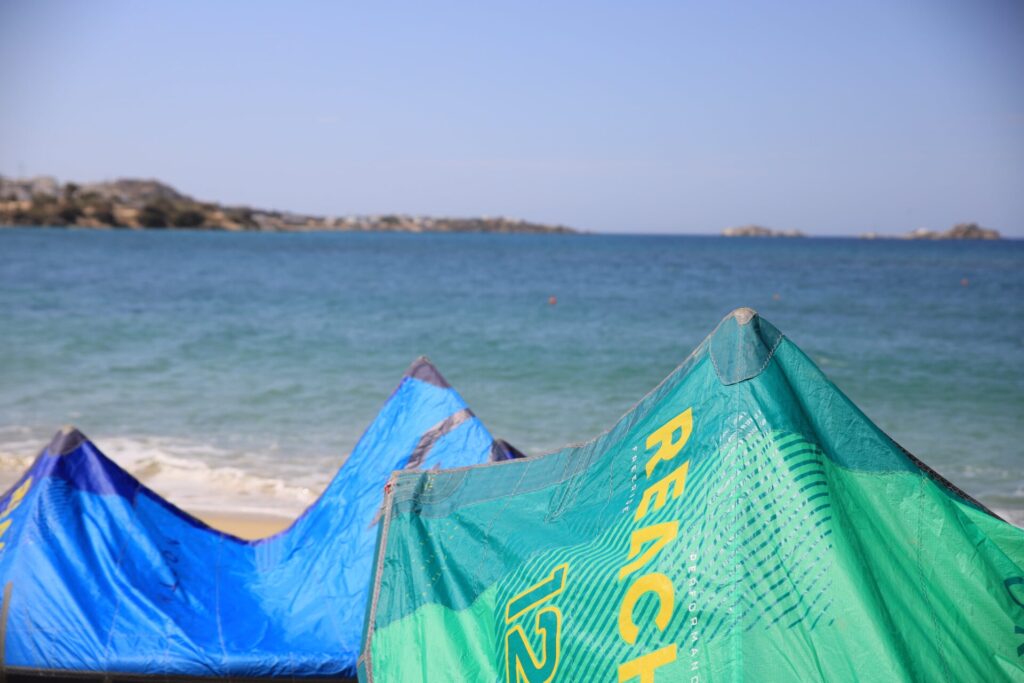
(101, 574)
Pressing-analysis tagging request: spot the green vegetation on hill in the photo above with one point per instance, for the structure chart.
(146, 204)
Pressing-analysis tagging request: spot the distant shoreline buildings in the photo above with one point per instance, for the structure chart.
(150, 204)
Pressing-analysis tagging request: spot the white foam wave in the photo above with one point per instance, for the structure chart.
(19, 447)
(193, 476)
(1015, 517)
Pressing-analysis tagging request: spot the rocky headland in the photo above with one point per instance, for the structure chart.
(142, 204)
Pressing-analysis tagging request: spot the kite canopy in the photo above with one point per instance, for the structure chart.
(102, 575)
(745, 521)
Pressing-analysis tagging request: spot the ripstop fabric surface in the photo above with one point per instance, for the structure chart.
(744, 522)
(101, 574)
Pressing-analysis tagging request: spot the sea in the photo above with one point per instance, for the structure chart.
(236, 371)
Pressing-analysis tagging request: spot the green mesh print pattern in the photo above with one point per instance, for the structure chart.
(743, 522)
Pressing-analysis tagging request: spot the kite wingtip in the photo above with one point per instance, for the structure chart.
(67, 439)
(742, 345)
(743, 315)
(422, 369)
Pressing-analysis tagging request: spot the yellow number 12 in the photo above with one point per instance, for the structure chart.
(522, 664)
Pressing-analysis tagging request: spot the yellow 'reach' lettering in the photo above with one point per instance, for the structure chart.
(668, 447)
(658, 535)
(647, 542)
(659, 585)
(659, 491)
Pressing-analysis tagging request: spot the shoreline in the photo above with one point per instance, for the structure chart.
(250, 526)
(247, 524)
(254, 524)
(885, 238)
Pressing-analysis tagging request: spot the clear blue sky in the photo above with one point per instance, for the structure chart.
(829, 117)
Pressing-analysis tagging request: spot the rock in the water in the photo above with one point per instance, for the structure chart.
(759, 231)
(960, 231)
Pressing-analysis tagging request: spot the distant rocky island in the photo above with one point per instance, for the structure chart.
(759, 231)
(142, 204)
(960, 231)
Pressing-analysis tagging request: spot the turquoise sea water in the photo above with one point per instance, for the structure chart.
(239, 369)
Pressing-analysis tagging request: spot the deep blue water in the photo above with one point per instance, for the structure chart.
(248, 364)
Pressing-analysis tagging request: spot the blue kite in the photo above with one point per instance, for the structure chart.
(102, 577)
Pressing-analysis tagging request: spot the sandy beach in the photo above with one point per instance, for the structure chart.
(244, 524)
(249, 526)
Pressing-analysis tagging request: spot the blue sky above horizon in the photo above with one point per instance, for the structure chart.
(831, 118)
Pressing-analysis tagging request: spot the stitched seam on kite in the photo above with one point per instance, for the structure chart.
(367, 657)
(117, 604)
(767, 360)
(430, 438)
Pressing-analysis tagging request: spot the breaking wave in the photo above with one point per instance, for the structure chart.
(193, 476)
(201, 478)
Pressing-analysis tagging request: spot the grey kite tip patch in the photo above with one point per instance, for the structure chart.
(742, 346)
(67, 439)
(423, 370)
(743, 315)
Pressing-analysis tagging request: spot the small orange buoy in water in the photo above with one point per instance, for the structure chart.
(964, 282)
(552, 300)
(776, 296)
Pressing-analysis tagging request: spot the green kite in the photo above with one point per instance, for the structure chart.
(744, 522)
